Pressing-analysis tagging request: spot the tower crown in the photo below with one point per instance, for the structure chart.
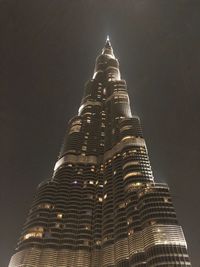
(107, 63)
(108, 50)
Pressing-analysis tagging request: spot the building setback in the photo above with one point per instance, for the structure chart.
(102, 208)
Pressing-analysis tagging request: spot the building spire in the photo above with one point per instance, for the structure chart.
(108, 43)
(108, 50)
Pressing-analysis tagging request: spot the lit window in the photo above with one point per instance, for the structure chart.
(131, 163)
(105, 182)
(105, 196)
(130, 232)
(80, 171)
(91, 182)
(124, 128)
(127, 138)
(57, 225)
(45, 206)
(122, 205)
(129, 221)
(132, 174)
(166, 200)
(87, 227)
(75, 182)
(114, 172)
(100, 199)
(59, 215)
(128, 201)
(132, 187)
(75, 129)
(37, 235)
(36, 232)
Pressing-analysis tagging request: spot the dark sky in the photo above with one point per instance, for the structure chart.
(47, 52)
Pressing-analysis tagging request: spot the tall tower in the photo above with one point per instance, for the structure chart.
(101, 207)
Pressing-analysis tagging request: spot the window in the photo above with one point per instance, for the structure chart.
(132, 174)
(88, 212)
(122, 205)
(59, 215)
(133, 186)
(80, 171)
(166, 199)
(45, 206)
(130, 232)
(131, 163)
(36, 232)
(90, 196)
(86, 242)
(84, 148)
(33, 234)
(75, 129)
(129, 221)
(58, 225)
(128, 138)
(87, 227)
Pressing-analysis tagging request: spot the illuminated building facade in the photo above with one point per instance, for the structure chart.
(102, 207)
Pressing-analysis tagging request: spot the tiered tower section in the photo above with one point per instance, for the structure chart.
(102, 207)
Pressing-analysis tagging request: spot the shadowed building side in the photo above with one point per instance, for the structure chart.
(101, 207)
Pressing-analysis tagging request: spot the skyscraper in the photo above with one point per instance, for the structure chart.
(101, 207)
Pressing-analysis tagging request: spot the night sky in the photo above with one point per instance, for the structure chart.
(47, 53)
